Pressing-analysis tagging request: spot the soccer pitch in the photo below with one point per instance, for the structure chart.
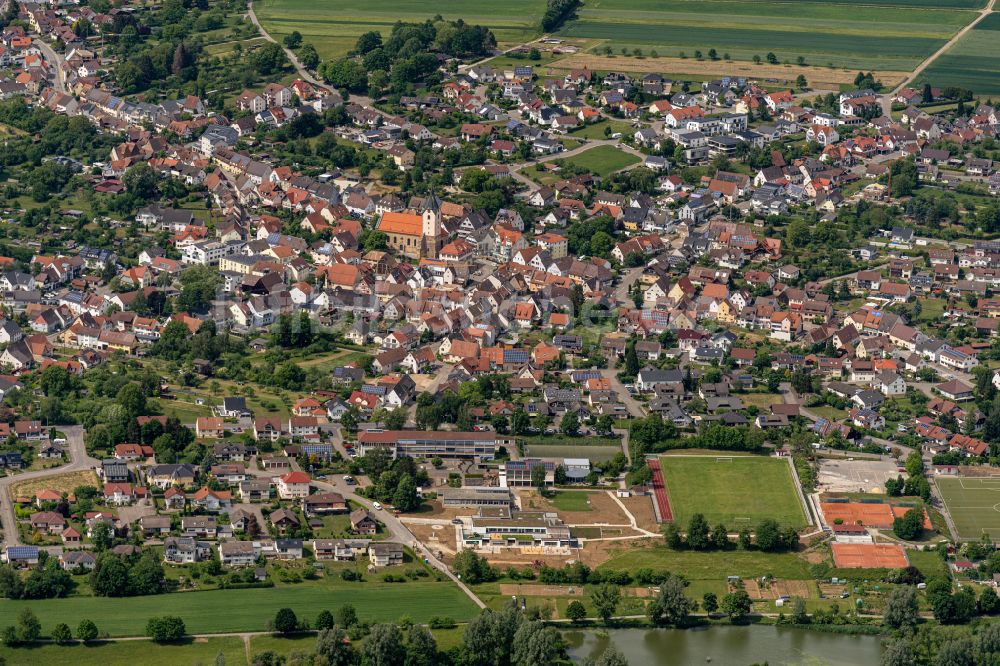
(974, 505)
(737, 491)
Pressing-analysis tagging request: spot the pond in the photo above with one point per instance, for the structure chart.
(728, 646)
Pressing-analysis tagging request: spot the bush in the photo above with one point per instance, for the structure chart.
(166, 629)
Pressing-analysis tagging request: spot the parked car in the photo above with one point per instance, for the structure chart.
(378, 507)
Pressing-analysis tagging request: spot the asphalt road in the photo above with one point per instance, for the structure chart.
(79, 461)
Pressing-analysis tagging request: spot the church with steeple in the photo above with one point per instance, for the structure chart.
(416, 234)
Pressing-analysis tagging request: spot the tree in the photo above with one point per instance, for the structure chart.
(534, 643)
(421, 648)
(141, 181)
(519, 422)
(697, 533)
(910, 526)
(611, 657)
(471, 568)
(346, 616)
(671, 605)
(576, 612)
(672, 536)
(293, 40)
(604, 599)
(720, 537)
(570, 424)
(538, 477)
(799, 614)
(333, 646)
(989, 602)
(956, 652)
(769, 536)
(384, 646)
(898, 652)
(87, 631)
(61, 633)
(800, 82)
(285, 621)
(308, 57)
(324, 620)
(166, 629)
(488, 638)
(28, 626)
(368, 42)
(710, 602)
(902, 607)
(771, 58)
(736, 605)
(405, 497)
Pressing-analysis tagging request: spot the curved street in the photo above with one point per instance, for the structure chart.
(79, 461)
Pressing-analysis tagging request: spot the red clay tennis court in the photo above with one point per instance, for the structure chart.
(869, 556)
(660, 491)
(869, 515)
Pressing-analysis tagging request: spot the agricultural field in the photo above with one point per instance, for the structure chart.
(333, 27)
(250, 609)
(973, 62)
(602, 160)
(735, 491)
(974, 505)
(893, 36)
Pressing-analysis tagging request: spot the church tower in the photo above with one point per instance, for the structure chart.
(431, 216)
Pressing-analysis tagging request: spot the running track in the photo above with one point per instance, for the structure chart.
(660, 491)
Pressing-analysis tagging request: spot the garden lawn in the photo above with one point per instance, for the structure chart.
(737, 492)
(571, 500)
(602, 160)
(250, 609)
(200, 651)
(596, 130)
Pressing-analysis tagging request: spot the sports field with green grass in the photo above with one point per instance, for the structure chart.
(224, 611)
(333, 27)
(570, 500)
(736, 491)
(974, 505)
(602, 160)
(875, 35)
(973, 62)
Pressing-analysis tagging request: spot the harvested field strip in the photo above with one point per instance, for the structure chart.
(817, 76)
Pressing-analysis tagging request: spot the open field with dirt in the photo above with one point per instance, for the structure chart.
(817, 77)
(64, 483)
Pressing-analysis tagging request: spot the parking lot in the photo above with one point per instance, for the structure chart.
(855, 475)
